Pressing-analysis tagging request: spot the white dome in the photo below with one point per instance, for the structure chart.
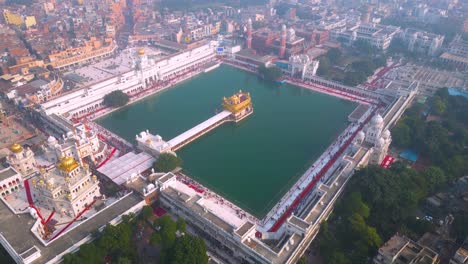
(51, 140)
(386, 134)
(360, 136)
(377, 120)
(143, 134)
(380, 142)
(69, 134)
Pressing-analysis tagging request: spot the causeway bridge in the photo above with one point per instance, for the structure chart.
(236, 108)
(199, 130)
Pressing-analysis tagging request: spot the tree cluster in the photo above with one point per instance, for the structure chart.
(116, 99)
(178, 250)
(360, 70)
(116, 243)
(113, 244)
(379, 202)
(444, 141)
(166, 162)
(270, 73)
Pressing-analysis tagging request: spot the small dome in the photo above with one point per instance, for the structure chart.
(141, 52)
(377, 119)
(380, 142)
(16, 148)
(51, 139)
(360, 136)
(386, 134)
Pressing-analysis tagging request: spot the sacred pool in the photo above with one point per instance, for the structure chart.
(254, 162)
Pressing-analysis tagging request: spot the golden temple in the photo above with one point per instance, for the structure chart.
(238, 102)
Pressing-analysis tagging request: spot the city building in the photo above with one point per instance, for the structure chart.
(457, 53)
(282, 44)
(35, 92)
(93, 50)
(22, 160)
(422, 42)
(12, 18)
(402, 250)
(10, 181)
(461, 255)
(379, 36)
(132, 71)
(299, 66)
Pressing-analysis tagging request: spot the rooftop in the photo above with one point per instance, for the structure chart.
(7, 173)
(22, 240)
(120, 169)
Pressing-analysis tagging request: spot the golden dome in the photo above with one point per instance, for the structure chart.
(141, 52)
(68, 164)
(16, 148)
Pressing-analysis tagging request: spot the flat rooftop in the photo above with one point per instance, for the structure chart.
(108, 68)
(22, 239)
(7, 173)
(209, 204)
(120, 169)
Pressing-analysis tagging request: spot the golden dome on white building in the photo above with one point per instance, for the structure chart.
(68, 164)
(16, 148)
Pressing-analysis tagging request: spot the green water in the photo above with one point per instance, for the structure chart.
(252, 163)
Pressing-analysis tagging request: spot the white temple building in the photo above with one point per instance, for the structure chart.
(67, 189)
(376, 138)
(22, 159)
(79, 145)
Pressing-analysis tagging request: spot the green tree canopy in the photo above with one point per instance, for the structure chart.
(181, 225)
(270, 73)
(167, 162)
(116, 99)
(334, 55)
(167, 229)
(146, 212)
(189, 250)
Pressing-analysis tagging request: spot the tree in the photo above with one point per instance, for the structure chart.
(324, 66)
(334, 55)
(189, 250)
(438, 105)
(401, 135)
(116, 99)
(167, 162)
(435, 178)
(339, 257)
(397, 46)
(353, 78)
(364, 47)
(181, 225)
(167, 229)
(146, 212)
(270, 73)
(258, 24)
